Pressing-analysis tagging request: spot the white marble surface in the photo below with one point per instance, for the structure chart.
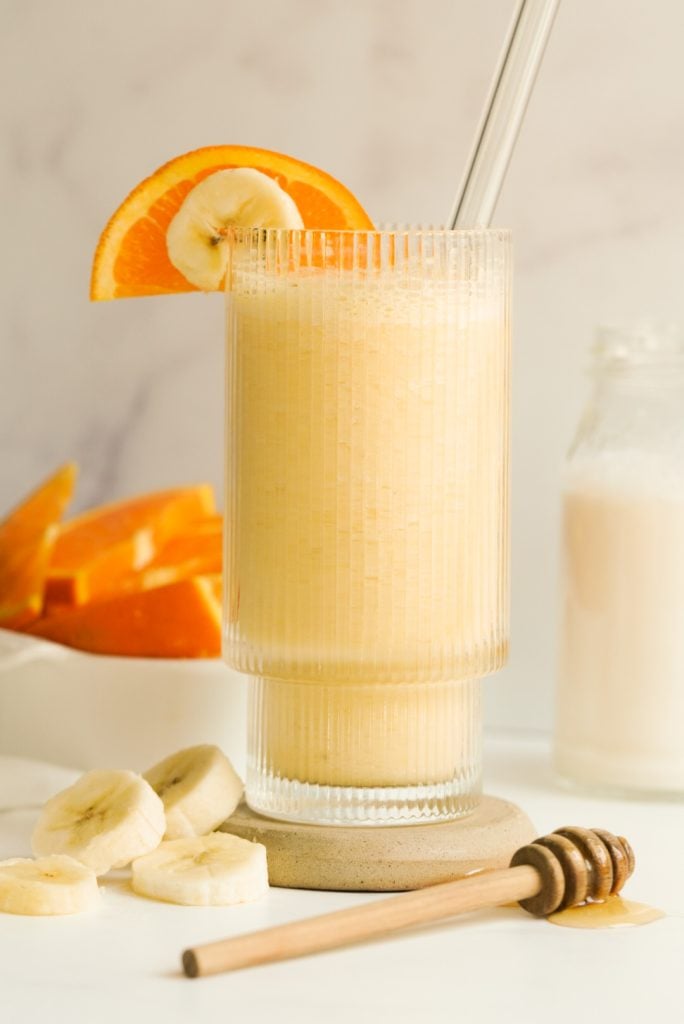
(122, 962)
(385, 94)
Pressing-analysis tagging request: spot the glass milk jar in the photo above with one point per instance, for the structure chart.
(620, 707)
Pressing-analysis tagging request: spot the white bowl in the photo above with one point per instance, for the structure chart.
(94, 711)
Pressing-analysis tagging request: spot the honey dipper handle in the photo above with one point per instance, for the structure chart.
(371, 920)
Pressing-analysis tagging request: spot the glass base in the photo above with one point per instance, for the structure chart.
(289, 800)
(364, 754)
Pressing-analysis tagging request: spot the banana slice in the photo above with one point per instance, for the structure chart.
(243, 197)
(199, 789)
(206, 871)
(104, 820)
(49, 885)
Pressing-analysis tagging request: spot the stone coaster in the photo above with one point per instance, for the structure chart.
(385, 858)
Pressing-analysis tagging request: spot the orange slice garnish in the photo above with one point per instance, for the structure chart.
(131, 258)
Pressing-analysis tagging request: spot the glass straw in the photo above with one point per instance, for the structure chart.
(510, 92)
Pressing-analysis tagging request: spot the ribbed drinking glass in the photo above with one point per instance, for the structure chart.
(367, 514)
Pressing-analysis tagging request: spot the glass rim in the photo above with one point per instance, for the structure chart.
(385, 231)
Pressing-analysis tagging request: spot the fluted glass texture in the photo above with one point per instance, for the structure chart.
(367, 495)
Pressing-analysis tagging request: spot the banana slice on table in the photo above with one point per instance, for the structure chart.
(105, 820)
(49, 885)
(199, 788)
(206, 871)
(240, 197)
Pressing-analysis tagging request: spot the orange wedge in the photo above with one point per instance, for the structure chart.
(207, 524)
(131, 257)
(216, 584)
(27, 540)
(98, 549)
(182, 620)
(197, 552)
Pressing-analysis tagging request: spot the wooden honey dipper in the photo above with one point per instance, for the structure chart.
(563, 869)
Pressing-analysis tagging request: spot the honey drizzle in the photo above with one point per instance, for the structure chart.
(615, 912)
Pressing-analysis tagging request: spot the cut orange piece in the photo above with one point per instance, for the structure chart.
(207, 524)
(98, 549)
(182, 620)
(27, 540)
(205, 540)
(198, 552)
(131, 257)
(216, 583)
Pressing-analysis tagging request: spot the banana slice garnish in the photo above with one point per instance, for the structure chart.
(105, 820)
(199, 789)
(213, 870)
(240, 197)
(47, 886)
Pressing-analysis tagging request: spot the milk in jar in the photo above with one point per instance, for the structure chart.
(620, 706)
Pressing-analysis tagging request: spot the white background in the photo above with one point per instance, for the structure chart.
(384, 94)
